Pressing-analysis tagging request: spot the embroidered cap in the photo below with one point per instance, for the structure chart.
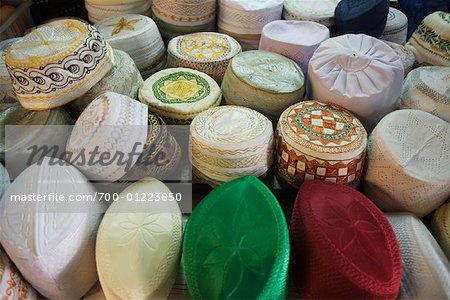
(236, 244)
(319, 11)
(396, 27)
(57, 63)
(342, 245)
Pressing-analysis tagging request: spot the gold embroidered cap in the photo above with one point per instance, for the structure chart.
(57, 63)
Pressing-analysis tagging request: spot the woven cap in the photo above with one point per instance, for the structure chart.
(343, 246)
(236, 244)
(56, 63)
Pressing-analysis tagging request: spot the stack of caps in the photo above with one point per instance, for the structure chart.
(123, 79)
(177, 17)
(43, 10)
(231, 141)
(112, 123)
(245, 19)
(294, 39)
(321, 11)
(103, 9)
(430, 40)
(35, 128)
(179, 94)
(426, 270)
(7, 97)
(359, 73)
(265, 81)
(342, 245)
(207, 52)
(138, 247)
(160, 156)
(138, 36)
(408, 162)
(428, 89)
(12, 283)
(361, 16)
(236, 244)
(316, 140)
(406, 55)
(57, 63)
(396, 27)
(441, 227)
(53, 247)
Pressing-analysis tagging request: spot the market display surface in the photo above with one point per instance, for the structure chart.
(229, 149)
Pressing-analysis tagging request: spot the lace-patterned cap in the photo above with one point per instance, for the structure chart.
(430, 40)
(179, 94)
(207, 52)
(138, 254)
(111, 123)
(231, 141)
(408, 162)
(320, 11)
(55, 252)
(396, 27)
(185, 13)
(426, 270)
(264, 81)
(236, 244)
(428, 89)
(342, 245)
(296, 40)
(441, 228)
(319, 140)
(123, 79)
(359, 73)
(11, 281)
(98, 11)
(361, 16)
(57, 63)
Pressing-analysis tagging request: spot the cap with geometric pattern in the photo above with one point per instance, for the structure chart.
(318, 140)
(396, 27)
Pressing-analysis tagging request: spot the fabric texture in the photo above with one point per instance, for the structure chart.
(236, 244)
(138, 247)
(343, 247)
(57, 63)
(361, 17)
(317, 140)
(440, 228)
(123, 79)
(407, 162)
(229, 142)
(428, 89)
(405, 54)
(54, 250)
(430, 42)
(426, 270)
(111, 123)
(264, 81)
(99, 10)
(296, 40)
(358, 72)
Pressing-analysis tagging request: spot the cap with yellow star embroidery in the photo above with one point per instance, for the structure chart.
(137, 35)
(319, 140)
(57, 63)
(179, 94)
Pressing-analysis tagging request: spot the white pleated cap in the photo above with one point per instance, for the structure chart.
(359, 73)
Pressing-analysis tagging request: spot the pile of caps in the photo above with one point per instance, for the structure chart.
(333, 104)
